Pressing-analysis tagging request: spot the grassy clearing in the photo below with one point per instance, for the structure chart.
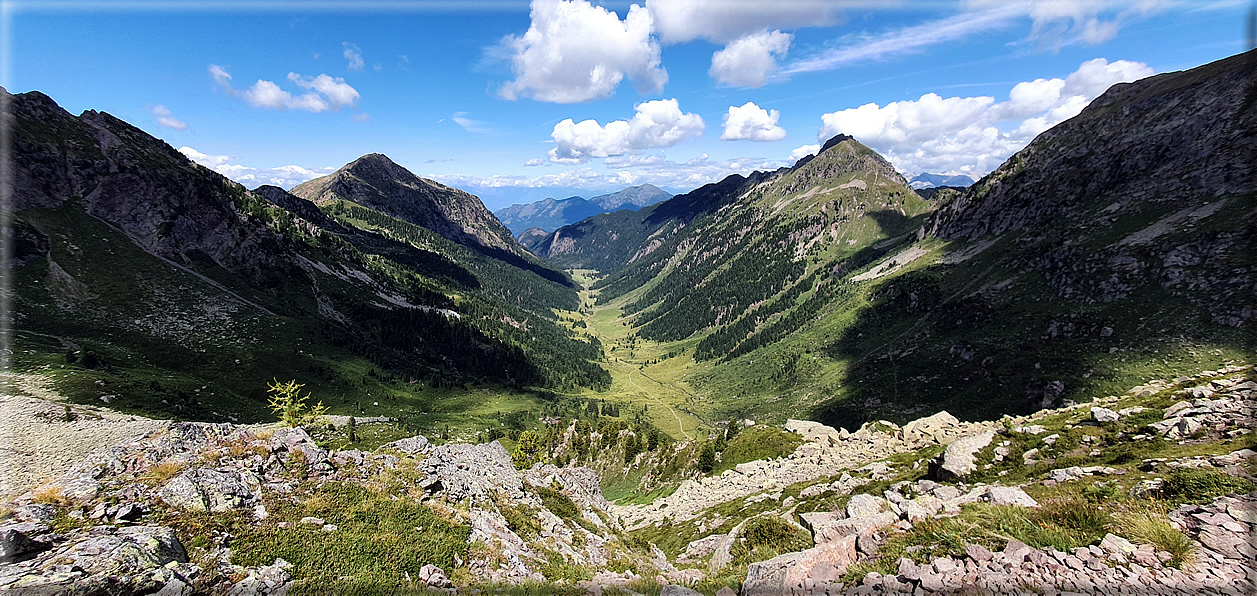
(756, 443)
(377, 542)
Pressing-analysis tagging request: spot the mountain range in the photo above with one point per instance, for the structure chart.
(1117, 244)
(927, 180)
(184, 293)
(548, 214)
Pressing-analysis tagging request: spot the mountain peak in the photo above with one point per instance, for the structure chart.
(377, 182)
(834, 141)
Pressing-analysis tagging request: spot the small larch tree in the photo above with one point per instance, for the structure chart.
(293, 408)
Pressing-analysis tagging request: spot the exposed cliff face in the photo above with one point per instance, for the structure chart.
(375, 181)
(115, 172)
(1101, 201)
(1167, 142)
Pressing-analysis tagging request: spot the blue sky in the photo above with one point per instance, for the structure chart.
(516, 100)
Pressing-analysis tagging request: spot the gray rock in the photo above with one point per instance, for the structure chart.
(937, 428)
(203, 489)
(864, 505)
(1010, 495)
(959, 459)
(411, 445)
(477, 472)
(780, 574)
(1099, 414)
(978, 553)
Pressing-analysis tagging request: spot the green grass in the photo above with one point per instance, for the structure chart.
(1201, 485)
(1150, 526)
(767, 536)
(378, 539)
(756, 443)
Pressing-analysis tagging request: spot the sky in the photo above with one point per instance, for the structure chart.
(515, 100)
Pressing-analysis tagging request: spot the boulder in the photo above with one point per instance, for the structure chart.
(863, 505)
(938, 428)
(783, 573)
(959, 459)
(813, 432)
(104, 560)
(1103, 415)
(1010, 495)
(204, 489)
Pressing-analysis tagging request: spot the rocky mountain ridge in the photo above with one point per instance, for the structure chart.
(376, 182)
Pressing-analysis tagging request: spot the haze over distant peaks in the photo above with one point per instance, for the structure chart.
(928, 180)
(550, 214)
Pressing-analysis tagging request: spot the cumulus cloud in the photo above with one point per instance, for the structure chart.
(658, 123)
(574, 52)
(166, 118)
(325, 93)
(752, 123)
(283, 176)
(804, 151)
(974, 135)
(749, 60)
(722, 21)
(353, 55)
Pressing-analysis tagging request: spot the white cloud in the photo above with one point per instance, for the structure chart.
(860, 49)
(649, 169)
(360, 117)
(353, 55)
(574, 52)
(326, 93)
(338, 93)
(1063, 22)
(974, 135)
(479, 127)
(752, 123)
(284, 176)
(166, 118)
(657, 123)
(722, 21)
(749, 60)
(804, 151)
(1053, 23)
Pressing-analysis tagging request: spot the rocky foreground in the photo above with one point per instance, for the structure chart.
(884, 509)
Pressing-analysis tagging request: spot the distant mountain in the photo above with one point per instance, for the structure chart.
(932, 180)
(375, 182)
(550, 214)
(940, 193)
(546, 214)
(185, 293)
(634, 197)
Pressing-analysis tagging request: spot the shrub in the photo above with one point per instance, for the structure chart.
(558, 503)
(767, 536)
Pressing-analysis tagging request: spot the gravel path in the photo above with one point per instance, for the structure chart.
(38, 444)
